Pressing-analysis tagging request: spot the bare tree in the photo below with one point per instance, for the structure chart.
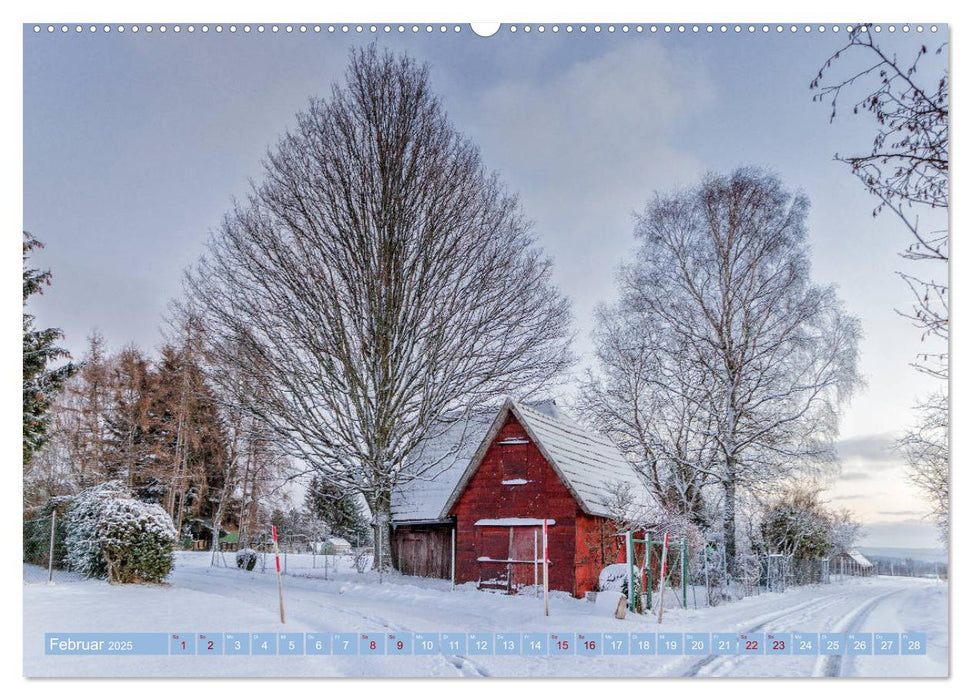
(378, 282)
(86, 405)
(907, 166)
(252, 464)
(665, 435)
(925, 447)
(752, 359)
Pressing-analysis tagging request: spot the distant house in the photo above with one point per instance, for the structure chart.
(515, 468)
(229, 542)
(851, 563)
(200, 530)
(332, 545)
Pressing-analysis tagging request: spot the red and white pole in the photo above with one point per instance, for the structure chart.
(279, 576)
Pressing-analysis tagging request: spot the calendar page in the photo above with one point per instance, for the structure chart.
(512, 350)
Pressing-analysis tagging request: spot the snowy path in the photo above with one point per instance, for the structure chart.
(204, 599)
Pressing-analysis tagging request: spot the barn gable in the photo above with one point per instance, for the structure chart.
(588, 464)
(500, 513)
(441, 461)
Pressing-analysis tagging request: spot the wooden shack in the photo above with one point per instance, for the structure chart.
(533, 463)
(850, 563)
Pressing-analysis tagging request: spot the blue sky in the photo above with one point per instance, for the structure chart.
(135, 145)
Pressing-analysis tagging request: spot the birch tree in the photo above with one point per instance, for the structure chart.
(665, 435)
(750, 359)
(378, 282)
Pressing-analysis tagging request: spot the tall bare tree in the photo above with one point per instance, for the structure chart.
(665, 435)
(749, 359)
(378, 282)
(907, 166)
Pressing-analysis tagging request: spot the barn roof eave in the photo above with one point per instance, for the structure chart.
(423, 521)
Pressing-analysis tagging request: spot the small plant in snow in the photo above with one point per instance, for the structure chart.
(113, 535)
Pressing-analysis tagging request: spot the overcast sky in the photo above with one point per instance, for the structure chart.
(135, 145)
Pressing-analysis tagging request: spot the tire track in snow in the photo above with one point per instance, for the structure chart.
(812, 606)
(299, 597)
(832, 666)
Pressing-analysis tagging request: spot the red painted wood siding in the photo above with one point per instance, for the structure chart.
(572, 568)
(597, 546)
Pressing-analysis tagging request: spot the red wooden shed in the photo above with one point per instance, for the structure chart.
(533, 462)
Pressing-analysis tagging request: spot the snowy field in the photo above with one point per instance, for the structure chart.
(200, 598)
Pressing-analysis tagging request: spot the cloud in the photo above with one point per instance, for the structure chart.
(904, 533)
(586, 145)
(900, 512)
(872, 449)
(856, 476)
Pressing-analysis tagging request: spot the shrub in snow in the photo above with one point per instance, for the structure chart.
(614, 578)
(246, 559)
(113, 535)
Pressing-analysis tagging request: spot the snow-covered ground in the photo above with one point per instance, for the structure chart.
(199, 598)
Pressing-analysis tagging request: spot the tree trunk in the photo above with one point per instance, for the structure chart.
(728, 521)
(381, 527)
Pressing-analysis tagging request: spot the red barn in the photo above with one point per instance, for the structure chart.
(531, 462)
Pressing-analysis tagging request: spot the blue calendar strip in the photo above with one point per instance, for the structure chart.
(558, 644)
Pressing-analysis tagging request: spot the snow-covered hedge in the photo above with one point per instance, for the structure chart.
(113, 535)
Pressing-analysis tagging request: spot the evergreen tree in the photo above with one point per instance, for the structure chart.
(341, 511)
(41, 381)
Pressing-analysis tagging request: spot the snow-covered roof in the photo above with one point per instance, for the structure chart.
(588, 463)
(860, 559)
(856, 557)
(438, 465)
(338, 542)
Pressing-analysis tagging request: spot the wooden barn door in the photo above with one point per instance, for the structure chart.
(506, 556)
(521, 547)
(424, 552)
(492, 547)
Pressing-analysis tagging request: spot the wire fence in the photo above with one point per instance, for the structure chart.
(755, 574)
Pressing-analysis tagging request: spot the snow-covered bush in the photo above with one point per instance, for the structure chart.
(246, 559)
(614, 577)
(113, 535)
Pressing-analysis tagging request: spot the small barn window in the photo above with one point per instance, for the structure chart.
(513, 462)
